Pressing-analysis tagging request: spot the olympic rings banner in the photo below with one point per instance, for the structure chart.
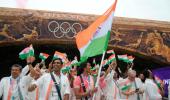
(30, 28)
(59, 29)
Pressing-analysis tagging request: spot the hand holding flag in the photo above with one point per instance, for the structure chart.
(30, 59)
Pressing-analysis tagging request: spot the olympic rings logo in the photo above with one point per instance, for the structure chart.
(64, 29)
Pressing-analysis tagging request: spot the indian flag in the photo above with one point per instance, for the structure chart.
(110, 52)
(111, 58)
(158, 81)
(75, 62)
(68, 64)
(130, 59)
(126, 87)
(104, 62)
(66, 69)
(58, 54)
(123, 57)
(27, 52)
(43, 56)
(94, 40)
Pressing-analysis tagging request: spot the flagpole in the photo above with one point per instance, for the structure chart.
(98, 76)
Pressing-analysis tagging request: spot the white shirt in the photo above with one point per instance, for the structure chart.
(133, 87)
(111, 91)
(5, 85)
(6, 82)
(151, 91)
(72, 94)
(43, 84)
(24, 71)
(24, 84)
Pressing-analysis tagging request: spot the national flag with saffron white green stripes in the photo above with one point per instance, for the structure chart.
(130, 59)
(43, 56)
(158, 82)
(110, 52)
(126, 87)
(123, 57)
(58, 54)
(27, 52)
(111, 58)
(66, 69)
(94, 40)
(75, 62)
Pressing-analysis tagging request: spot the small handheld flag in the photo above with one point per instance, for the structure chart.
(43, 56)
(123, 57)
(27, 52)
(110, 52)
(58, 54)
(130, 59)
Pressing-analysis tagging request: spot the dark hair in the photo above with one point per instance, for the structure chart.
(57, 59)
(80, 69)
(17, 65)
(146, 74)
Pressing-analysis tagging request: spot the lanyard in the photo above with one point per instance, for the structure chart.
(49, 90)
(138, 97)
(117, 87)
(37, 93)
(50, 87)
(57, 85)
(87, 79)
(11, 89)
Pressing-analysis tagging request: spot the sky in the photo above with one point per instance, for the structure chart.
(142, 9)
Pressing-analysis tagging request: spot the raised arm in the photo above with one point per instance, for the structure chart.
(29, 61)
(111, 67)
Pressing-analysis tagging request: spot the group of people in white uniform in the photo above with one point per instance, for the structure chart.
(35, 83)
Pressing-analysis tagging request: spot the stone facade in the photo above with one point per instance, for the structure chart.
(146, 38)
